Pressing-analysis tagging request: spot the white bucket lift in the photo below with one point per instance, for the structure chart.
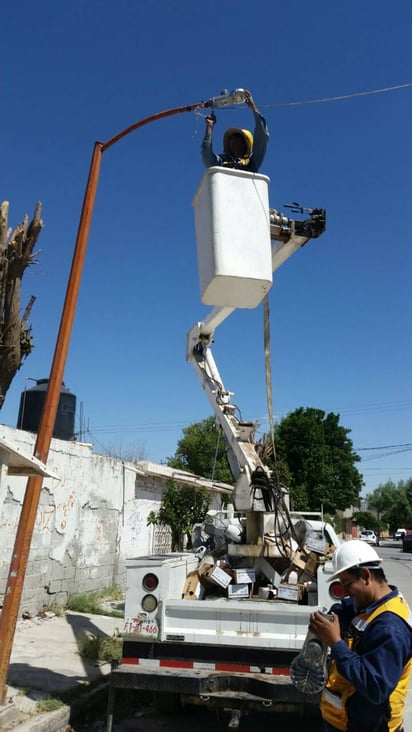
(233, 238)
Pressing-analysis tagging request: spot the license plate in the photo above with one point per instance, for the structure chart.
(141, 626)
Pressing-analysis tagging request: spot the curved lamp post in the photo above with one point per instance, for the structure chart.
(14, 586)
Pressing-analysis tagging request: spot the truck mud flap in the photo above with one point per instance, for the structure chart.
(203, 683)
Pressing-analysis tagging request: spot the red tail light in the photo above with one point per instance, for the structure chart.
(150, 582)
(336, 590)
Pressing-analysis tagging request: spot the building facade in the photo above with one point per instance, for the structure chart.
(89, 520)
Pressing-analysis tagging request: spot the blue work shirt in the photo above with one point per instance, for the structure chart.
(376, 663)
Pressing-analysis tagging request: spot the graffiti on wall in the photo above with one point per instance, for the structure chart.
(54, 517)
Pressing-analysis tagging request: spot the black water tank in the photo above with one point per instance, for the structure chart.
(31, 407)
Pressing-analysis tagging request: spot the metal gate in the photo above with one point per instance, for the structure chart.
(162, 540)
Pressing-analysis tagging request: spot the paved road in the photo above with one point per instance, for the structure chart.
(398, 568)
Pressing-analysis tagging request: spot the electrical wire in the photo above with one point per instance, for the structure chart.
(395, 471)
(216, 454)
(270, 494)
(107, 452)
(386, 454)
(341, 97)
(268, 371)
(384, 447)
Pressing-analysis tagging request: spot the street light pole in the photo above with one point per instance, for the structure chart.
(15, 581)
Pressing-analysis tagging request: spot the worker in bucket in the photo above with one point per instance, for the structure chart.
(370, 638)
(241, 149)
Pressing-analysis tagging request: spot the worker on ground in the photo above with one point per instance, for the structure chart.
(371, 646)
(241, 149)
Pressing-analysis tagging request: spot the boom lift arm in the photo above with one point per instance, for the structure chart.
(254, 491)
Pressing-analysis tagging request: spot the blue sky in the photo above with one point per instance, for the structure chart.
(77, 71)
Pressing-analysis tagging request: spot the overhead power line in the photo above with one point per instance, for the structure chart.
(142, 427)
(385, 447)
(393, 470)
(341, 96)
(386, 454)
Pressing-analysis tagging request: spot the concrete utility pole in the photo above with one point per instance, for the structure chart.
(14, 587)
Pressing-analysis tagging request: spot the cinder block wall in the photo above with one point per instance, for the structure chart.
(87, 524)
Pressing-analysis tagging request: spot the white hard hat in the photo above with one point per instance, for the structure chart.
(353, 553)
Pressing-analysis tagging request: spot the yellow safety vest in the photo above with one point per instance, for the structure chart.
(338, 689)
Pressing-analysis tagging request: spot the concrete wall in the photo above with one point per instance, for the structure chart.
(88, 522)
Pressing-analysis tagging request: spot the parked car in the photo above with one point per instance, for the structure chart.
(369, 536)
(400, 533)
(407, 541)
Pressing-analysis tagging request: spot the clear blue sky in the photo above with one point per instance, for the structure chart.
(76, 71)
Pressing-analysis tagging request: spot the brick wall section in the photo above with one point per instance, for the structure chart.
(88, 522)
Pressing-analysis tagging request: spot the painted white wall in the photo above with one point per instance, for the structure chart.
(88, 522)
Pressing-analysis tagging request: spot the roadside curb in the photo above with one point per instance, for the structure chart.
(56, 721)
(49, 722)
(8, 713)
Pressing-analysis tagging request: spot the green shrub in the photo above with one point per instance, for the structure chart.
(48, 705)
(101, 648)
(91, 602)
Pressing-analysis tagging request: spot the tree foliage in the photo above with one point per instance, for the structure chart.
(181, 508)
(314, 458)
(366, 520)
(320, 459)
(16, 254)
(202, 451)
(393, 504)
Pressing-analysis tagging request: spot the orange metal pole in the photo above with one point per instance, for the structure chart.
(153, 118)
(14, 587)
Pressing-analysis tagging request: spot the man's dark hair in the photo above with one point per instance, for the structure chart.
(377, 572)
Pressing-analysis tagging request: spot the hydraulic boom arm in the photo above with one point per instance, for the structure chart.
(251, 490)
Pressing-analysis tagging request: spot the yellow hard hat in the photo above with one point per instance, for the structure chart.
(246, 134)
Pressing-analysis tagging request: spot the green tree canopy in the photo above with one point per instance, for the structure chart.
(366, 520)
(393, 504)
(407, 487)
(382, 500)
(320, 458)
(181, 507)
(314, 457)
(202, 451)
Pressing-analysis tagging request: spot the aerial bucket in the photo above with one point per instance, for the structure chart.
(233, 237)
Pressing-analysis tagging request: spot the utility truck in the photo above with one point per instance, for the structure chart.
(220, 625)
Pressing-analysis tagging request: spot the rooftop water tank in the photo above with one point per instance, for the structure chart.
(234, 250)
(31, 407)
